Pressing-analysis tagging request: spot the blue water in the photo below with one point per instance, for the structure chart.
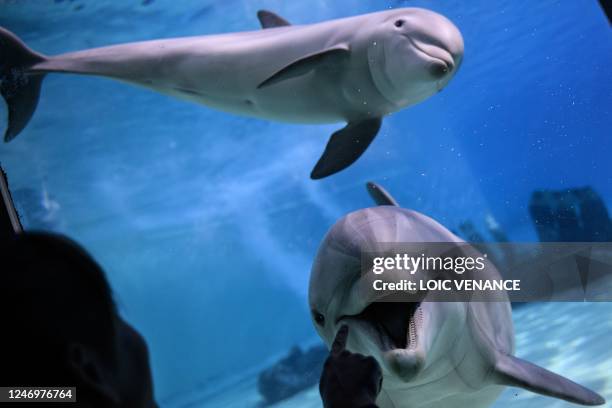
(207, 222)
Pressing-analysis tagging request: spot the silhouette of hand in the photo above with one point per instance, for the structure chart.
(349, 380)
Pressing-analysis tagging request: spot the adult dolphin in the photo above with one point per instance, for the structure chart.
(353, 70)
(433, 354)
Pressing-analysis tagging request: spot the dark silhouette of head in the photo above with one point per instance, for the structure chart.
(61, 326)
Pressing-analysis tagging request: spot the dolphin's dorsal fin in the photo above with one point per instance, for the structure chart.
(515, 372)
(329, 58)
(380, 195)
(345, 146)
(268, 19)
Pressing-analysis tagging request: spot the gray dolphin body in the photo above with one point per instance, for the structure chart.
(354, 70)
(433, 354)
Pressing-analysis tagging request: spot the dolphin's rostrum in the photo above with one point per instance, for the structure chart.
(354, 70)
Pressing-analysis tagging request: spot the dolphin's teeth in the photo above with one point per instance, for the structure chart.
(415, 322)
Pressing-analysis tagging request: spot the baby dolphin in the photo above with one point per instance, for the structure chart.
(433, 354)
(354, 70)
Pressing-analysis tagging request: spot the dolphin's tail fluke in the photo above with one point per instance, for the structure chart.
(19, 88)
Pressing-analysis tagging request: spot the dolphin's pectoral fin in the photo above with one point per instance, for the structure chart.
(380, 195)
(330, 58)
(268, 19)
(345, 146)
(515, 372)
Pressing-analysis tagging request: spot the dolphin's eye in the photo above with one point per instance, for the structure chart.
(318, 317)
(399, 23)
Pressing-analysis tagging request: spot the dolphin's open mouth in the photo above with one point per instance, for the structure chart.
(395, 323)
